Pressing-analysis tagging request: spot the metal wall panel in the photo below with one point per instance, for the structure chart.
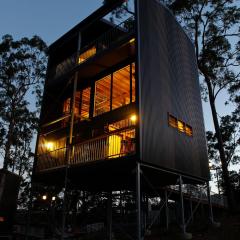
(168, 82)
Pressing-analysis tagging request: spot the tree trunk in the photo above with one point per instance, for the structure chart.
(228, 188)
(7, 159)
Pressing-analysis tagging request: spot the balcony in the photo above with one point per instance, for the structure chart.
(109, 146)
(115, 35)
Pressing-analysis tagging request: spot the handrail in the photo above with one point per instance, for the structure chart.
(120, 27)
(115, 144)
(103, 42)
(195, 192)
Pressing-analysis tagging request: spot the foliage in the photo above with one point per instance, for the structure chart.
(22, 72)
(121, 11)
(231, 141)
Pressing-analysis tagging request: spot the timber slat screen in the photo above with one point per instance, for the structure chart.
(114, 145)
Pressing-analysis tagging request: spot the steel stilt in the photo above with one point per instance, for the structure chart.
(183, 225)
(209, 203)
(109, 216)
(138, 200)
(166, 210)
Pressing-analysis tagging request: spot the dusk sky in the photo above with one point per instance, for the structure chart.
(52, 18)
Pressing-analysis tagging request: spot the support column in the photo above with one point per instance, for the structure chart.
(166, 209)
(138, 199)
(191, 209)
(186, 235)
(70, 148)
(182, 206)
(209, 203)
(109, 216)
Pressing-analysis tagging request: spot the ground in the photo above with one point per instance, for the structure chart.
(229, 230)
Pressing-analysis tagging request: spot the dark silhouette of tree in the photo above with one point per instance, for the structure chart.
(22, 72)
(230, 131)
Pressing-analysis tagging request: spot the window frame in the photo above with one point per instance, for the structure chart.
(111, 88)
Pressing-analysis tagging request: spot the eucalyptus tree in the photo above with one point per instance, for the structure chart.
(213, 26)
(22, 72)
(230, 130)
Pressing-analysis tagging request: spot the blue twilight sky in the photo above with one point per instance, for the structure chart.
(52, 18)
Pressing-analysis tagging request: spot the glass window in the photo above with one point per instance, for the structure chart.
(67, 106)
(102, 95)
(172, 121)
(82, 104)
(124, 123)
(87, 54)
(188, 129)
(85, 103)
(133, 83)
(181, 126)
(121, 87)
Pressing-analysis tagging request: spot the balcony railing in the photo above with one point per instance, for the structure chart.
(104, 42)
(51, 159)
(118, 144)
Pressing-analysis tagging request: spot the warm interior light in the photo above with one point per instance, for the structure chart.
(53, 198)
(114, 146)
(44, 197)
(132, 40)
(133, 118)
(49, 146)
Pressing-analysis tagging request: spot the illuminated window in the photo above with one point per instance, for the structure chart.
(188, 130)
(87, 54)
(125, 123)
(181, 126)
(121, 143)
(82, 105)
(115, 90)
(102, 95)
(77, 103)
(121, 87)
(133, 83)
(85, 103)
(67, 106)
(47, 144)
(172, 121)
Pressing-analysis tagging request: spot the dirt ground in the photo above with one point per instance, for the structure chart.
(229, 230)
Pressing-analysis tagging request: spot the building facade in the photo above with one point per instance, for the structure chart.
(122, 88)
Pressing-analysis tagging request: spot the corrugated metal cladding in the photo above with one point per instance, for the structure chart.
(168, 82)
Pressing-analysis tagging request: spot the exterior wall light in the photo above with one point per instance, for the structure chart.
(49, 146)
(53, 198)
(132, 40)
(133, 118)
(44, 197)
